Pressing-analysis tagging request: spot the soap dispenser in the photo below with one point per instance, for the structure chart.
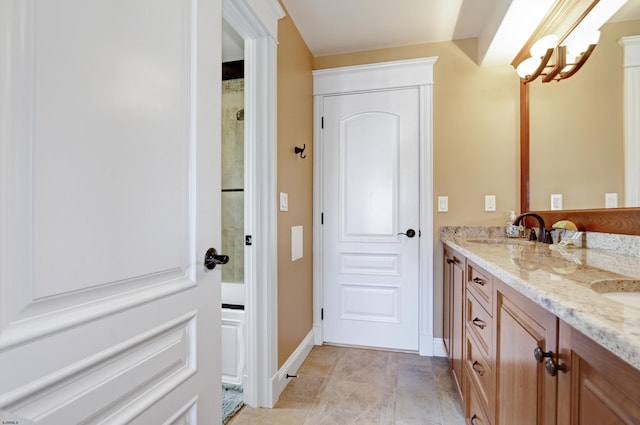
(512, 230)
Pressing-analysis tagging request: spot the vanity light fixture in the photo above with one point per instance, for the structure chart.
(555, 58)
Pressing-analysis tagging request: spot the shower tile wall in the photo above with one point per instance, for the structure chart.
(233, 179)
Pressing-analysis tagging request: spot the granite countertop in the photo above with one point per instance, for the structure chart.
(562, 281)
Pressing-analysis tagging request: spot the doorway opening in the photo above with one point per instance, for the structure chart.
(233, 352)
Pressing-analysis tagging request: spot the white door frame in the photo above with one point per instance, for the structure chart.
(257, 24)
(362, 78)
(631, 65)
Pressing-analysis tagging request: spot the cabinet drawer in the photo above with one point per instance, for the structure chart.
(479, 282)
(476, 414)
(480, 323)
(479, 371)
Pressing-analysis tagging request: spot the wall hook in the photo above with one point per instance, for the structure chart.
(300, 151)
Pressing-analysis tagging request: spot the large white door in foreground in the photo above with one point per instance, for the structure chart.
(109, 198)
(371, 208)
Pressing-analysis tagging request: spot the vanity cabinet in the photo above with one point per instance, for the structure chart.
(597, 387)
(525, 393)
(453, 314)
(514, 362)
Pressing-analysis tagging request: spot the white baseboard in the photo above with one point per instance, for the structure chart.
(438, 348)
(431, 347)
(279, 381)
(317, 334)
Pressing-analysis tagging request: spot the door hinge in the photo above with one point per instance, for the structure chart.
(321, 218)
(248, 240)
(322, 122)
(322, 314)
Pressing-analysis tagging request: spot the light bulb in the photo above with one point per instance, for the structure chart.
(541, 46)
(527, 67)
(579, 43)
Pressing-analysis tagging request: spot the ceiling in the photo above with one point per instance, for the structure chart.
(502, 26)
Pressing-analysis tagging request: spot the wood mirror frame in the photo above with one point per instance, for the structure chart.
(615, 220)
(562, 18)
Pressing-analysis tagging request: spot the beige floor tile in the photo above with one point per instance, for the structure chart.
(284, 413)
(365, 366)
(303, 389)
(417, 405)
(354, 386)
(451, 409)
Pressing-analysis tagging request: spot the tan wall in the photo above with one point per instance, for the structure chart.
(476, 152)
(577, 138)
(475, 133)
(295, 177)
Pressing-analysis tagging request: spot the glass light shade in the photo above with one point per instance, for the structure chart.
(541, 46)
(570, 61)
(578, 44)
(527, 67)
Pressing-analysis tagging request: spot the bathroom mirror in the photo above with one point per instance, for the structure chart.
(577, 130)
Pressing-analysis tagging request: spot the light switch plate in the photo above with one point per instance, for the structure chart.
(490, 202)
(556, 201)
(443, 203)
(284, 201)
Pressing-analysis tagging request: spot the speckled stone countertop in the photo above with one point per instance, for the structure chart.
(563, 281)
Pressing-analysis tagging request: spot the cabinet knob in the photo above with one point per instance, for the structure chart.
(552, 367)
(540, 355)
(450, 261)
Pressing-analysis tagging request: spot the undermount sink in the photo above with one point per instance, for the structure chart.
(496, 241)
(625, 291)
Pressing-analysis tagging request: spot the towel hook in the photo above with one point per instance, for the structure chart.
(300, 151)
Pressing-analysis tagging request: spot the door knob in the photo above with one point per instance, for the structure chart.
(212, 259)
(410, 233)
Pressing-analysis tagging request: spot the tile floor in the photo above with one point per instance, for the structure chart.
(345, 386)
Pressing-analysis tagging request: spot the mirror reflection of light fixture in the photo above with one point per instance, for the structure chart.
(570, 32)
(554, 58)
(568, 59)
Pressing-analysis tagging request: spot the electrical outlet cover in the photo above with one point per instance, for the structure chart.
(284, 201)
(490, 202)
(443, 203)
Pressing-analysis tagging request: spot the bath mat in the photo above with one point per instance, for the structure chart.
(231, 401)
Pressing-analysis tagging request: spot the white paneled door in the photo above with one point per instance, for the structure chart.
(109, 199)
(371, 218)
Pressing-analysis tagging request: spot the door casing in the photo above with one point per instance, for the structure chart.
(259, 29)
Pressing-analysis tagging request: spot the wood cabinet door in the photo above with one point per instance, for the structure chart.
(525, 392)
(599, 388)
(457, 322)
(446, 300)
(453, 321)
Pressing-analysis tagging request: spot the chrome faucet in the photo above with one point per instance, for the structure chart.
(543, 234)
